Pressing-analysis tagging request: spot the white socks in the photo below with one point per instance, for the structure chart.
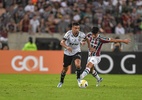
(85, 73)
(95, 74)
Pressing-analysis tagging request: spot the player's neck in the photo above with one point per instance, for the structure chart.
(75, 34)
(95, 35)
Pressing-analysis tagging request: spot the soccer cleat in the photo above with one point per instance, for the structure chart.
(60, 85)
(79, 82)
(98, 82)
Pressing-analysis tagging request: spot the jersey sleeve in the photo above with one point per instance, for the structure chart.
(83, 35)
(105, 40)
(88, 35)
(66, 36)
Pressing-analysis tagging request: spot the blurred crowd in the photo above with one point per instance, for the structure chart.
(55, 16)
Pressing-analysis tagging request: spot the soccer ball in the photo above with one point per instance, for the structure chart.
(83, 84)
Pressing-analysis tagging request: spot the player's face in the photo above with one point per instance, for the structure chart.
(75, 29)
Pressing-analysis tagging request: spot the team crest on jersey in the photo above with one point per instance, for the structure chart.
(74, 40)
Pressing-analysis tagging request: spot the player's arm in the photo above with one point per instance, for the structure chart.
(89, 45)
(88, 42)
(62, 43)
(126, 41)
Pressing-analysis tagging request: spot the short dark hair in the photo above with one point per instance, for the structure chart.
(95, 30)
(75, 24)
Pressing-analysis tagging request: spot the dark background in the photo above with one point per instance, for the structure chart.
(117, 57)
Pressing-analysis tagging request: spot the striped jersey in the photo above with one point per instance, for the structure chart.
(73, 42)
(96, 43)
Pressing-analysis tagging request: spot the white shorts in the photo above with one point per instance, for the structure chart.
(94, 59)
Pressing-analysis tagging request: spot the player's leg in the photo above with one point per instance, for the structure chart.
(78, 67)
(87, 70)
(67, 62)
(63, 74)
(77, 62)
(95, 74)
(90, 63)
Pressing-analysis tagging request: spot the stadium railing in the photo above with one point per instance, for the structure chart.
(17, 40)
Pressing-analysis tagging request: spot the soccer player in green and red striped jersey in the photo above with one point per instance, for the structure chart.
(96, 42)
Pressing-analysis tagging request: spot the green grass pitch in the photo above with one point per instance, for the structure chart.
(43, 87)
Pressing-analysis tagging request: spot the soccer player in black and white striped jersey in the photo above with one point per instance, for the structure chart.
(96, 42)
(72, 51)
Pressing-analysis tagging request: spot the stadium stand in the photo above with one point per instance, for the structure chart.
(52, 18)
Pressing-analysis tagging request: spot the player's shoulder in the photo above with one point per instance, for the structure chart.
(100, 36)
(89, 34)
(69, 32)
(103, 37)
(81, 33)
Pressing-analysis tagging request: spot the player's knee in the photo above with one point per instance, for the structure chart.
(78, 66)
(90, 65)
(65, 70)
(77, 60)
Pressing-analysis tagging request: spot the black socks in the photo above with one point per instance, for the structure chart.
(78, 72)
(62, 77)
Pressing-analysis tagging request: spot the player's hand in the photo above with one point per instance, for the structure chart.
(126, 41)
(69, 49)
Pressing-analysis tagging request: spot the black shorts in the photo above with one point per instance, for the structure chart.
(68, 60)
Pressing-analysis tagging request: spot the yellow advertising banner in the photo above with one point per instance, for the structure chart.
(31, 62)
